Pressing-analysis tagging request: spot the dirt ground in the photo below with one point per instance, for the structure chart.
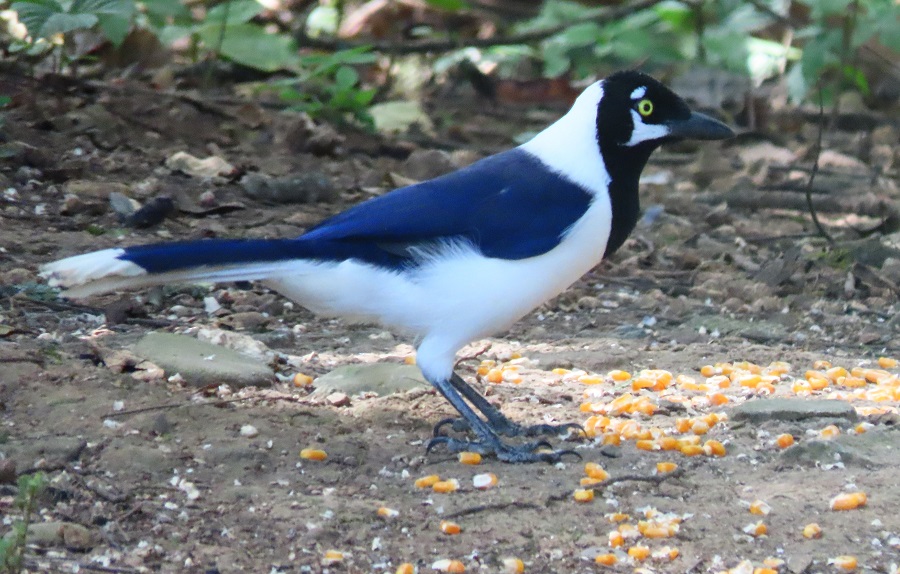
(163, 479)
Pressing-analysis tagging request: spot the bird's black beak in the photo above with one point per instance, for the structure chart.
(699, 127)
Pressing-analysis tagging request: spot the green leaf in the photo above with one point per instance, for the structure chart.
(35, 13)
(62, 23)
(163, 12)
(345, 77)
(451, 5)
(250, 45)
(120, 8)
(114, 27)
(236, 12)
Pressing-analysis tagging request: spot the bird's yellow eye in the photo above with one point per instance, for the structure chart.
(645, 107)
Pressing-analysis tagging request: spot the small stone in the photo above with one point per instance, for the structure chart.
(338, 399)
(792, 410)
(428, 164)
(249, 431)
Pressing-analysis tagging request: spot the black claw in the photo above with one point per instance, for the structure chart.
(535, 430)
(522, 453)
(456, 424)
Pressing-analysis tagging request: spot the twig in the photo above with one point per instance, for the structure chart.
(812, 175)
(422, 46)
(490, 507)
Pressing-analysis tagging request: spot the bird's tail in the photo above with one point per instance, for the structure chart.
(187, 262)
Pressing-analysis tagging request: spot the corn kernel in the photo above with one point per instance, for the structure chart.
(641, 383)
(301, 380)
(849, 501)
(513, 566)
(852, 382)
(718, 399)
(654, 530)
(714, 448)
(664, 467)
(617, 517)
(639, 553)
(691, 449)
(709, 371)
(812, 530)
(765, 571)
(668, 443)
(756, 530)
(584, 495)
(772, 562)
(683, 425)
(313, 454)
(333, 556)
(470, 458)
(409, 359)
(830, 431)
(666, 553)
(386, 512)
(606, 559)
(700, 427)
(616, 539)
(784, 440)
(447, 565)
(611, 439)
(587, 481)
(822, 365)
(835, 373)
(427, 481)
(590, 379)
(619, 376)
(405, 568)
(448, 527)
(484, 481)
(759, 507)
(719, 382)
(646, 445)
(750, 381)
(843, 562)
(887, 362)
(445, 486)
(594, 470)
(494, 375)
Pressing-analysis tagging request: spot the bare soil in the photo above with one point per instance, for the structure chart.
(700, 283)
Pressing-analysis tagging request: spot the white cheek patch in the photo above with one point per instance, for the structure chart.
(638, 93)
(645, 132)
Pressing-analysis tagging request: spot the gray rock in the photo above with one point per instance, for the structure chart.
(67, 534)
(136, 460)
(379, 378)
(872, 449)
(202, 363)
(792, 410)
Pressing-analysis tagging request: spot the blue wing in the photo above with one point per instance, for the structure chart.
(509, 206)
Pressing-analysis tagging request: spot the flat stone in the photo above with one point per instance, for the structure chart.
(202, 363)
(379, 378)
(57, 534)
(792, 410)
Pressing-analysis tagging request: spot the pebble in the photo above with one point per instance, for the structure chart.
(249, 431)
(338, 399)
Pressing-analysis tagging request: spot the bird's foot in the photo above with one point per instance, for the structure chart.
(537, 451)
(506, 427)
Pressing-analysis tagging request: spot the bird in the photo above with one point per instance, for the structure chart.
(452, 259)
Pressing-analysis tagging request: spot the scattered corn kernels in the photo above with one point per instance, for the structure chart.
(594, 470)
(606, 559)
(427, 481)
(812, 530)
(887, 362)
(484, 481)
(843, 562)
(301, 380)
(313, 454)
(333, 556)
(619, 376)
(760, 508)
(830, 431)
(448, 527)
(668, 553)
(639, 553)
(386, 512)
(664, 467)
(405, 568)
(756, 530)
(848, 501)
(646, 445)
(714, 448)
(784, 440)
(447, 565)
(690, 449)
(513, 566)
(617, 516)
(470, 458)
(616, 539)
(584, 495)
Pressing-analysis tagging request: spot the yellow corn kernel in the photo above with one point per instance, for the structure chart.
(714, 448)
(725, 368)
(759, 507)
(645, 445)
(333, 556)
(843, 562)
(447, 565)
(560, 371)
(445, 486)
(606, 559)
(812, 530)
(301, 380)
(887, 362)
(718, 399)
(612, 439)
(584, 495)
(617, 517)
(409, 359)
(719, 382)
(639, 553)
(784, 440)
(594, 470)
(386, 512)
(683, 425)
(587, 481)
(590, 379)
(665, 553)
(835, 373)
(848, 501)
(448, 527)
(470, 458)
(778, 368)
(710, 419)
(313, 454)
(772, 562)
(642, 383)
(619, 376)
(654, 530)
(765, 571)
(748, 380)
(494, 375)
(405, 568)
(709, 371)
(628, 531)
(484, 481)
(691, 449)
(877, 376)
(822, 365)
(667, 443)
(756, 530)
(427, 481)
(852, 382)
(830, 431)
(513, 566)
(664, 467)
(689, 439)
(616, 539)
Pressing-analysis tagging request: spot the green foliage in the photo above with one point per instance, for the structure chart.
(328, 86)
(12, 546)
(47, 18)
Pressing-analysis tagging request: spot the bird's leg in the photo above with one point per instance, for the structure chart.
(497, 420)
(488, 442)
